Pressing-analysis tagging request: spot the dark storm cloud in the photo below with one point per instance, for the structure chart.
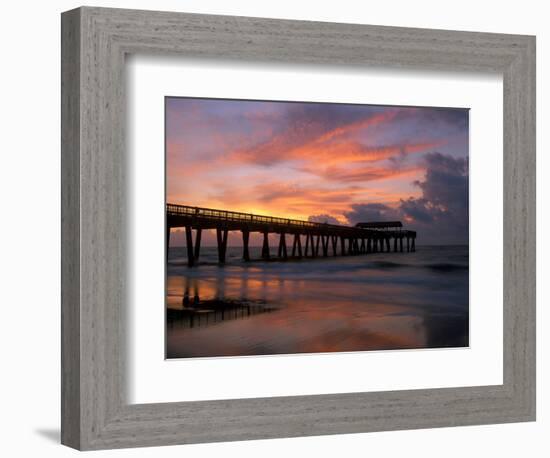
(440, 215)
(446, 182)
(420, 210)
(371, 212)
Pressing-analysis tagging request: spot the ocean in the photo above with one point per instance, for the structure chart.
(379, 301)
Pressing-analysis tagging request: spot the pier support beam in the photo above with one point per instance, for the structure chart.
(308, 244)
(198, 244)
(265, 247)
(334, 240)
(325, 241)
(297, 245)
(369, 245)
(246, 238)
(343, 245)
(395, 244)
(167, 240)
(221, 236)
(316, 253)
(282, 246)
(401, 244)
(408, 245)
(388, 244)
(412, 244)
(189, 243)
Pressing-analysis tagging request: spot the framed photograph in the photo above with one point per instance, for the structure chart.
(339, 192)
(277, 228)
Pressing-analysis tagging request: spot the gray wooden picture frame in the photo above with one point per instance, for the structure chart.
(95, 412)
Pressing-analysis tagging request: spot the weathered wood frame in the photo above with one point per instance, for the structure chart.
(95, 414)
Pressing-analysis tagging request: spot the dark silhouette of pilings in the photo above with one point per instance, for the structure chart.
(197, 244)
(265, 246)
(221, 236)
(318, 238)
(317, 245)
(282, 246)
(297, 246)
(189, 243)
(246, 238)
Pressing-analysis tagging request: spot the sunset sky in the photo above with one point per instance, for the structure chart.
(338, 163)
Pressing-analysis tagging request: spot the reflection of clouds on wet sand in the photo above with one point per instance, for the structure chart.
(340, 304)
(297, 329)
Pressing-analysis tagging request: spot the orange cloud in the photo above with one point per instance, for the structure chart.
(362, 174)
(344, 153)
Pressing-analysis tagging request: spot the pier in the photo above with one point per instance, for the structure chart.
(308, 240)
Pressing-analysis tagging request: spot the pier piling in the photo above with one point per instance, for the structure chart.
(198, 244)
(189, 243)
(265, 247)
(282, 246)
(221, 236)
(246, 237)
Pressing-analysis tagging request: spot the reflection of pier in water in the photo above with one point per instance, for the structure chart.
(214, 311)
(364, 238)
(194, 312)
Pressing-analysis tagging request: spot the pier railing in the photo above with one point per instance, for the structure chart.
(247, 218)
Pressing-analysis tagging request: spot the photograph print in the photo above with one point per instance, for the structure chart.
(306, 227)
